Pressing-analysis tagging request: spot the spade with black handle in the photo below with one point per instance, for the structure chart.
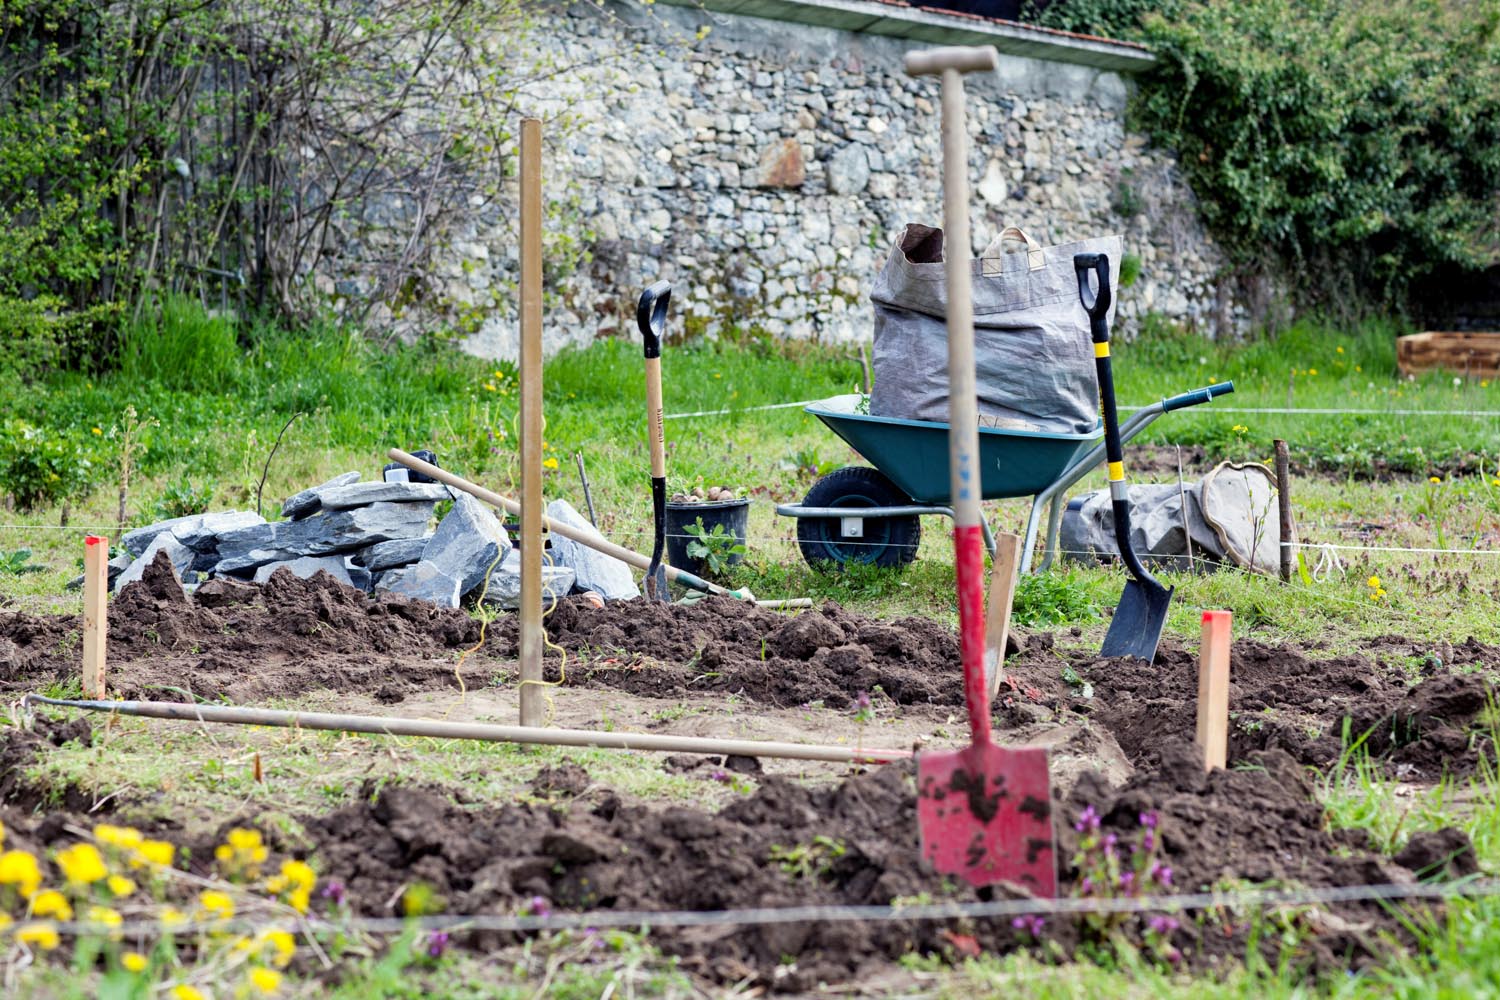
(651, 317)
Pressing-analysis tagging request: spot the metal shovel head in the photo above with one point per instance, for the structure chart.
(985, 815)
(1135, 630)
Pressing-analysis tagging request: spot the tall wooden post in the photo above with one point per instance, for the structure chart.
(95, 613)
(531, 422)
(1284, 508)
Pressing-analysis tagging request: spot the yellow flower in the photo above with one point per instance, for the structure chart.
(1312, 371)
(118, 836)
(51, 903)
(266, 980)
(19, 868)
(1373, 583)
(549, 463)
(242, 839)
(282, 943)
(105, 916)
(216, 904)
(97, 430)
(1340, 350)
(43, 935)
(154, 852)
(1434, 479)
(1484, 383)
(500, 375)
(133, 961)
(172, 917)
(1239, 428)
(119, 885)
(490, 386)
(182, 991)
(5, 921)
(81, 864)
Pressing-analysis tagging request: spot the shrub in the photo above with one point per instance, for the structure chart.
(40, 466)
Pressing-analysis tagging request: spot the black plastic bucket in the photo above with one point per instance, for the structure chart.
(734, 515)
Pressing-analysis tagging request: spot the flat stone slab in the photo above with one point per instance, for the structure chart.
(196, 531)
(504, 588)
(336, 566)
(608, 576)
(397, 552)
(362, 494)
(322, 533)
(165, 541)
(423, 580)
(307, 502)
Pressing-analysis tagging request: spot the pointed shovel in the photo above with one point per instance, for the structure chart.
(1135, 629)
(984, 812)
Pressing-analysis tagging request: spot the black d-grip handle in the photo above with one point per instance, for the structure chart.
(651, 315)
(1095, 301)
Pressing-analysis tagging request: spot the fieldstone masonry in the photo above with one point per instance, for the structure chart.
(766, 168)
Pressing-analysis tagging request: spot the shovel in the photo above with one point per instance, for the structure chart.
(984, 812)
(1135, 629)
(651, 317)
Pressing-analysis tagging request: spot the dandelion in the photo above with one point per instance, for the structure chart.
(216, 904)
(81, 864)
(297, 880)
(1339, 350)
(120, 886)
(182, 991)
(1312, 371)
(1434, 479)
(1239, 428)
(489, 387)
(283, 944)
(267, 981)
(105, 917)
(118, 836)
(1484, 383)
(1457, 382)
(43, 935)
(19, 868)
(549, 463)
(51, 903)
(158, 853)
(96, 430)
(133, 961)
(172, 917)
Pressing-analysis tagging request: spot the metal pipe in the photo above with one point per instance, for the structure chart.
(391, 726)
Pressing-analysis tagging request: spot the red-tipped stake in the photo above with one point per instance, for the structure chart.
(984, 812)
(1213, 690)
(95, 613)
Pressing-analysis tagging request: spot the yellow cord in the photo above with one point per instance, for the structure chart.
(484, 622)
(562, 665)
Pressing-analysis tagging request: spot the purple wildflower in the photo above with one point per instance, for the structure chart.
(1162, 924)
(1087, 820)
(1148, 841)
(1162, 873)
(862, 701)
(334, 892)
(1030, 923)
(1148, 819)
(1087, 886)
(437, 943)
(720, 776)
(1127, 881)
(1110, 840)
(538, 906)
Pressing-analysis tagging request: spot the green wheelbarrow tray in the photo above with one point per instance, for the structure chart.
(910, 478)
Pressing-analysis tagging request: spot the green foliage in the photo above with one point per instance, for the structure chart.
(1053, 599)
(1353, 146)
(179, 345)
(1109, 18)
(713, 548)
(180, 499)
(18, 562)
(41, 466)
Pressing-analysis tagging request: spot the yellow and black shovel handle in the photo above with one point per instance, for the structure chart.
(1094, 293)
(651, 317)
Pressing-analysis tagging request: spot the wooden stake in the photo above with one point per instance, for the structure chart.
(1002, 596)
(1213, 689)
(95, 612)
(531, 422)
(1284, 508)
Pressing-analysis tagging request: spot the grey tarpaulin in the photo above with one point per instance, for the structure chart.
(1231, 517)
(1034, 361)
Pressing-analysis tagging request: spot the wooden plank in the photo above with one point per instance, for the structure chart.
(997, 618)
(95, 613)
(531, 423)
(1213, 690)
(1476, 354)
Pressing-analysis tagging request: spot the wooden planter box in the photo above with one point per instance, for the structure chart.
(1476, 355)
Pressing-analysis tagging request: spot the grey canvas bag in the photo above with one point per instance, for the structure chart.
(1034, 360)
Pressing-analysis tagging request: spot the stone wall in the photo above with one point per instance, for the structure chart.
(765, 168)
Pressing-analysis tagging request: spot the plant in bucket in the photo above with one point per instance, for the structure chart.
(706, 530)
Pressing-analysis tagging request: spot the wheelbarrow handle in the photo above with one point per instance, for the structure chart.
(1193, 397)
(651, 315)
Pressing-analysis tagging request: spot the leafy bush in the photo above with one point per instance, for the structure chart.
(1354, 146)
(182, 499)
(40, 466)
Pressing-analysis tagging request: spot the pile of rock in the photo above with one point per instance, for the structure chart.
(374, 536)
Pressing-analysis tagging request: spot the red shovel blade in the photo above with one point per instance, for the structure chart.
(985, 815)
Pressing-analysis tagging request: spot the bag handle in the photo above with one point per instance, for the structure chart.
(992, 260)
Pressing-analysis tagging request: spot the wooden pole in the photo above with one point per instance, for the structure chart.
(393, 726)
(1284, 508)
(1213, 689)
(531, 422)
(1002, 596)
(95, 612)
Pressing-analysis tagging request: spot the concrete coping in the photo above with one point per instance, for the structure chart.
(937, 27)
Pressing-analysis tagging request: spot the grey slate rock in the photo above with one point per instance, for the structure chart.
(181, 556)
(361, 494)
(422, 580)
(466, 542)
(335, 566)
(244, 562)
(117, 565)
(504, 588)
(197, 531)
(307, 502)
(608, 576)
(322, 533)
(384, 555)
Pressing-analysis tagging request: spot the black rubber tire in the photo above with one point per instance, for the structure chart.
(888, 541)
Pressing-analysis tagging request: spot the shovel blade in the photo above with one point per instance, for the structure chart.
(1135, 630)
(985, 815)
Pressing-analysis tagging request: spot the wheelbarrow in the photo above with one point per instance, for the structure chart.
(859, 514)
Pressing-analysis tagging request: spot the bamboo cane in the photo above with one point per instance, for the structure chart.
(530, 652)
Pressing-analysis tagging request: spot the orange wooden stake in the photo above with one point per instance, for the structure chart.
(1213, 689)
(95, 613)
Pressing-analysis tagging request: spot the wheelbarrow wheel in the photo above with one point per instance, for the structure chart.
(881, 541)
